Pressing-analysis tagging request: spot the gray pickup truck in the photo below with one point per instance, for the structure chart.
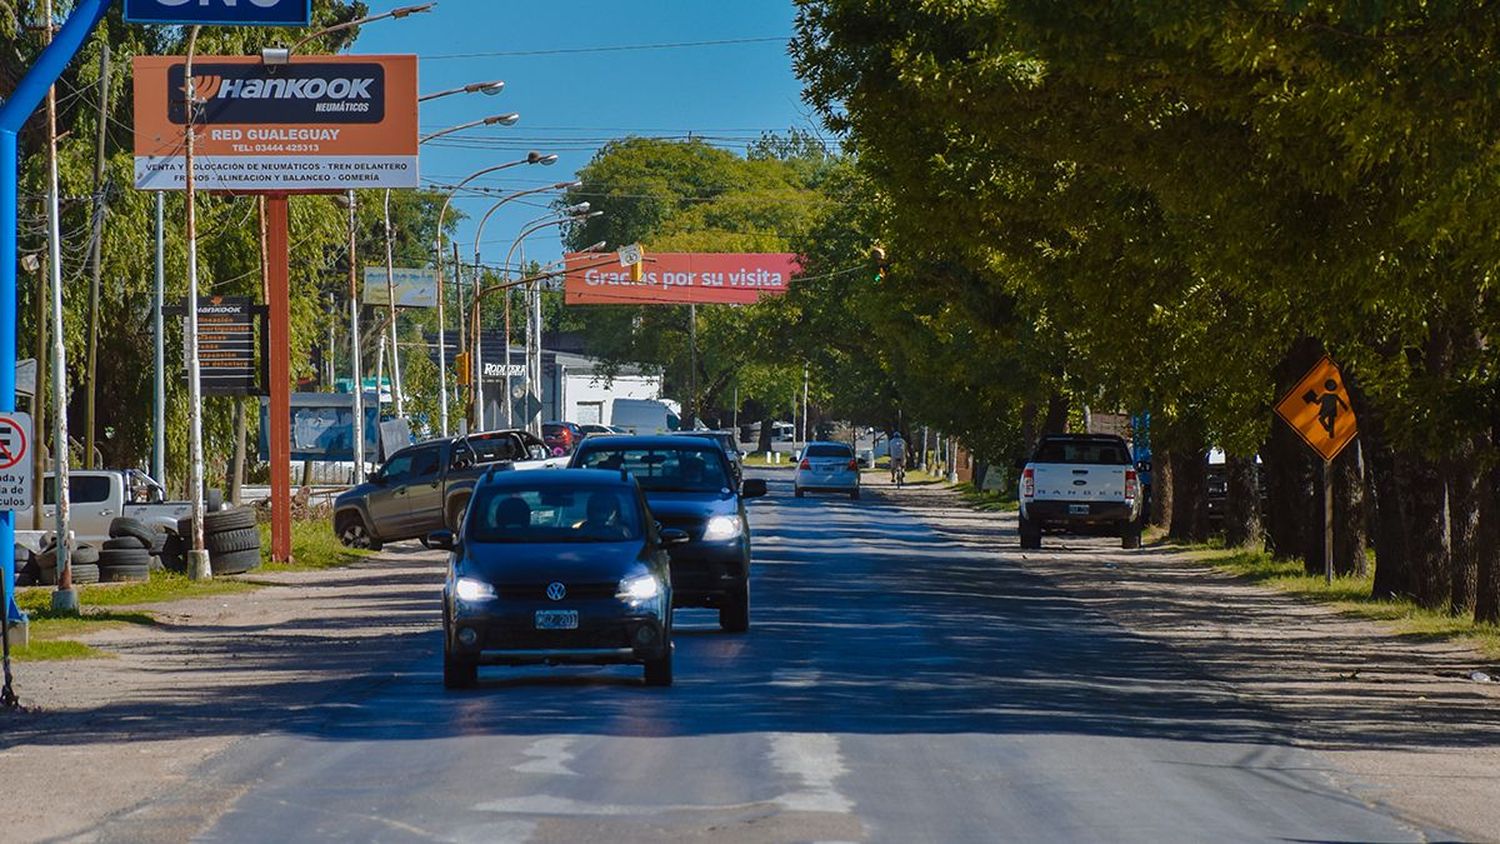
(426, 487)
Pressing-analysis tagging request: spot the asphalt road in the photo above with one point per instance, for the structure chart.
(894, 686)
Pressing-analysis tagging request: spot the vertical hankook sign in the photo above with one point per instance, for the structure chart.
(318, 123)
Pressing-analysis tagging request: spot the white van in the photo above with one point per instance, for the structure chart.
(642, 416)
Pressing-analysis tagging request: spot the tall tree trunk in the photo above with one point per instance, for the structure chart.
(1349, 531)
(1027, 445)
(1242, 523)
(1464, 492)
(764, 444)
(1162, 488)
(1057, 414)
(1487, 600)
(1189, 495)
(1426, 500)
(1291, 499)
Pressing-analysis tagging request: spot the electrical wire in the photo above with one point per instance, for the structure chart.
(615, 48)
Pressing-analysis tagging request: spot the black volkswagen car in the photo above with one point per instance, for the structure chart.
(691, 487)
(558, 567)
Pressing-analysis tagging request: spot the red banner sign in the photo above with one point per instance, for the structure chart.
(679, 278)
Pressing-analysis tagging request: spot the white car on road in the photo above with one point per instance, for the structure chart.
(827, 467)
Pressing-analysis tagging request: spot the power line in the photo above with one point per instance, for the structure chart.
(617, 48)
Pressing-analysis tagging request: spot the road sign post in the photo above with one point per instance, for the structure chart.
(1318, 409)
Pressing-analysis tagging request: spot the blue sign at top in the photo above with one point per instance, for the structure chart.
(220, 12)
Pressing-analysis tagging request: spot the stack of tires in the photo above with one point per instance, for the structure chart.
(84, 561)
(230, 535)
(131, 552)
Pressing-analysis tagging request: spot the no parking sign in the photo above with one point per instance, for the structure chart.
(15, 461)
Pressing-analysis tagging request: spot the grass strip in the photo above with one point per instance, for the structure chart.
(1351, 595)
(987, 501)
(314, 546)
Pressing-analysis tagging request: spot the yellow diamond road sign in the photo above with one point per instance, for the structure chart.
(1318, 409)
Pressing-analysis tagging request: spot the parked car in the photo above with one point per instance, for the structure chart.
(557, 567)
(589, 429)
(426, 487)
(561, 437)
(731, 450)
(98, 497)
(1080, 482)
(689, 486)
(643, 416)
(827, 467)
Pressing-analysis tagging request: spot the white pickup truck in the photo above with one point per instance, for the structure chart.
(98, 497)
(1080, 483)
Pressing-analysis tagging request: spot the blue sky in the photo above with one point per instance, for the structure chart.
(573, 98)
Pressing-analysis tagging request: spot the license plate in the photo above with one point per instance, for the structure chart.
(557, 619)
(1078, 509)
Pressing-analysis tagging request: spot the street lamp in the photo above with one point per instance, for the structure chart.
(283, 55)
(502, 119)
(488, 88)
(477, 356)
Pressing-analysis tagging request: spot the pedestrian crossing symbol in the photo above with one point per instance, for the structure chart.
(1318, 409)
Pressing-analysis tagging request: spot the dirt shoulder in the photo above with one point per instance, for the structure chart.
(1396, 714)
(102, 735)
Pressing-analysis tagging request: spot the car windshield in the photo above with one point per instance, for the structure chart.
(1083, 452)
(664, 468)
(829, 450)
(554, 514)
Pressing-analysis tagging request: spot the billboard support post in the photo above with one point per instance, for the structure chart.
(359, 375)
(159, 392)
(198, 562)
(280, 375)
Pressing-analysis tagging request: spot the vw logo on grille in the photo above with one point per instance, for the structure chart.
(556, 591)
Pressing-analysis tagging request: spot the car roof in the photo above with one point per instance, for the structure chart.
(555, 478)
(830, 442)
(647, 441)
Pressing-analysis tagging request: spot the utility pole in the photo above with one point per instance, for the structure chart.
(198, 563)
(463, 329)
(39, 390)
(442, 336)
(390, 292)
(91, 396)
(692, 414)
(354, 362)
(159, 393)
(806, 411)
(65, 599)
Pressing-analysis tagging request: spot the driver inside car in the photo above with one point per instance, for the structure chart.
(603, 519)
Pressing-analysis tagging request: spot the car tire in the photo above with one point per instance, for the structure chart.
(1130, 536)
(797, 491)
(126, 526)
(128, 542)
(230, 541)
(234, 562)
(734, 616)
(456, 512)
(84, 573)
(235, 518)
(659, 670)
(129, 557)
(352, 532)
(1031, 535)
(854, 495)
(174, 554)
(459, 672)
(85, 554)
(124, 574)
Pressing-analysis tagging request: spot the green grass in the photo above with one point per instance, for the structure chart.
(758, 458)
(314, 546)
(48, 650)
(51, 632)
(1351, 596)
(987, 501)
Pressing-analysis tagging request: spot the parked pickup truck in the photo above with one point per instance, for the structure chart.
(98, 497)
(1079, 483)
(426, 487)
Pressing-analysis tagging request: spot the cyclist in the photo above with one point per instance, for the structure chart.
(896, 448)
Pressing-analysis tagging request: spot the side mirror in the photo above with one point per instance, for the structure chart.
(753, 488)
(673, 536)
(440, 540)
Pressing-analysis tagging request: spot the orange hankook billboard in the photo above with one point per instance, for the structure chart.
(318, 123)
(679, 278)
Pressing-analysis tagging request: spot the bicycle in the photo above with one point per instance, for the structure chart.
(898, 473)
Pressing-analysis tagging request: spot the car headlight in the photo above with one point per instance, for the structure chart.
(644, 587)
(469, 589)
(721, 527)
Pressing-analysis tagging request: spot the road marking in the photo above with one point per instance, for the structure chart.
(796, 678)
(548, 756)
(814, 759)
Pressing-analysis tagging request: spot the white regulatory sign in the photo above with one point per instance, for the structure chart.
(629, 254)
(501, 370)
(15, 461)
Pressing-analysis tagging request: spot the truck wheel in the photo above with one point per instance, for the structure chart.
(459, 672)
(1130, 535)
(734, 616)
(353, 533)
(1031, 535)
(659, 670)
(456, 512)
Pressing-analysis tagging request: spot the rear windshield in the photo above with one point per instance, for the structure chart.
(1090, 452)
(667, 468)
(490, 448)
(554, 514)
(829, 450)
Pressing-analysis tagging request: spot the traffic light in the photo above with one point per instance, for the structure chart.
(461, 363)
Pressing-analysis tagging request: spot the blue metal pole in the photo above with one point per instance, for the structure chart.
(13, 115)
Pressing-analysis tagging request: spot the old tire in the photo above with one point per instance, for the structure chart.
(734, 616)
(352, 532)
(85, 573)
(126, 526)
(659, 670)
(112, 557)
(230, 541)
(124, 574)
(459, 672)
(234, 562)
(128, 542)
(86, 554)
(235, 518)
(174, 554)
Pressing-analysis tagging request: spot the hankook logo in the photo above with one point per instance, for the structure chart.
(293, 94)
